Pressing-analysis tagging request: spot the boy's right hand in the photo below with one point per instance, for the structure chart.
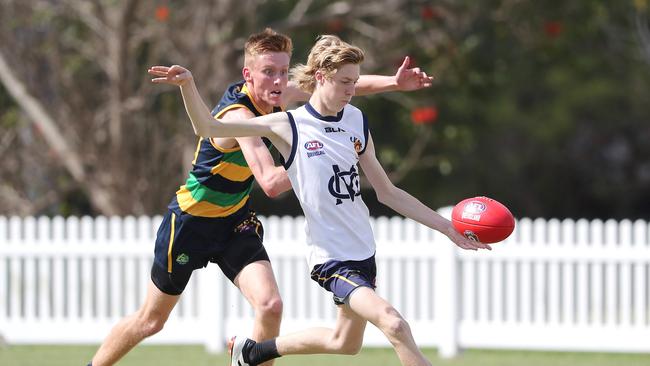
(463, 242)
(175, 75)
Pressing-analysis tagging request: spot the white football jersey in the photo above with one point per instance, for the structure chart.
(322, 167)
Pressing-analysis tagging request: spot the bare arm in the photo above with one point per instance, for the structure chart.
(405, 79)
(275, 126)
(407, 205)
(272, 179)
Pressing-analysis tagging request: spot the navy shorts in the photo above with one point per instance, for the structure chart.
(185, 243)
(342, 277)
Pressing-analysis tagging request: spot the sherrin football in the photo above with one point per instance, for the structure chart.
(483, 219)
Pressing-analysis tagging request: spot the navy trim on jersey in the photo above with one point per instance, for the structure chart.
(294, 142)
(234, 95)
(366, 132)
(314, 113)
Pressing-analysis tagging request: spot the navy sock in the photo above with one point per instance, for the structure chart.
(257, 352)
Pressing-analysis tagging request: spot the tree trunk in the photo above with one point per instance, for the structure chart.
(99, 197)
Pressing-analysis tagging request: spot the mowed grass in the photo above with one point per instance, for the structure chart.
(147, 355)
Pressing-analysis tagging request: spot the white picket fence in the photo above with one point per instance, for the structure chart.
(553, 285)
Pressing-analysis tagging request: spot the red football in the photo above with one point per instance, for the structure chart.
(483, 219)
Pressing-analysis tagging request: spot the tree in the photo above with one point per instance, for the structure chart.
(541, 105)
(77, 70)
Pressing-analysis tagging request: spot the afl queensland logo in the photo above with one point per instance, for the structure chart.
(473, 210)
(314, 148)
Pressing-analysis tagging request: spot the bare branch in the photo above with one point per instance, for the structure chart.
(13, 201)
(299, 11)
(644, 35)
(368, 30)
(88, 17)
(51, 134)
(42, 120)
(5, 141)
(412, 158)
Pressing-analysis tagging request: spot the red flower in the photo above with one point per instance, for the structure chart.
(335, 25)
(162, 13)
(424, 115)
(553, 28)
(427, 12)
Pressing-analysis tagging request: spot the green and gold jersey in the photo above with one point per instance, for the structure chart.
(220, 181)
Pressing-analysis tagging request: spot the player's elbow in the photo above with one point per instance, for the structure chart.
(199, 130)
(274, 182)
(207, 128)
(270, 188)
(383, 199)
(271, 191)
(387, 195)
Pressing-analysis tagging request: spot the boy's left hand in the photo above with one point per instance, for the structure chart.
(411, 79)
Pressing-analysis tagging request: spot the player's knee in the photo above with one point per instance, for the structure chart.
(271, 308)
(398, 327)
(345, 344)
(394, 325)
(350, 347)
(154, 326)
(151, 324)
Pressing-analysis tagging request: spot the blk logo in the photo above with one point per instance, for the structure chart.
(333, 129)
(344, 185)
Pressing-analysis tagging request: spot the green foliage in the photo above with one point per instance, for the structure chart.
(9, 114)
(545, 120)
(542, 105)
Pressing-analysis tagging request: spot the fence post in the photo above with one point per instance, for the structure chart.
(211, 310)
(446, 300)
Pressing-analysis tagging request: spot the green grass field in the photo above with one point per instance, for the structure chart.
(196, 356)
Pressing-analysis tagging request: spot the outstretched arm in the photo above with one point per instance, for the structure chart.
(275, 126)
(407, 205)
(405, 79)
(202, 121)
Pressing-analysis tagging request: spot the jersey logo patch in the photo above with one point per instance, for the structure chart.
(344, 185)
(333, 129)
(357, 143)
(314, 148)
